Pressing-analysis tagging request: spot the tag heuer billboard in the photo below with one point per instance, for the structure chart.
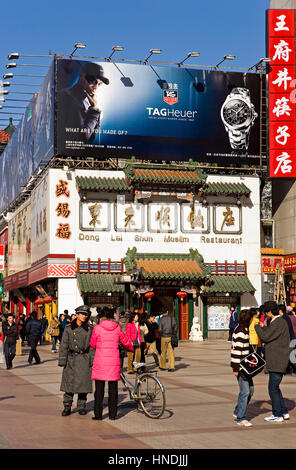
(165, 113)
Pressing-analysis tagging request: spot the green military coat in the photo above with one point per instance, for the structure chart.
(76, 376)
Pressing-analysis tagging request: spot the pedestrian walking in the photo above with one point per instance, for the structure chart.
(11, 333)
(255, 341)
(33, 332)
(54, 331)
(150, 337)
(44, 323)
(277, 340)
(167, 327)
(63, 323)
(144, 331)
(240, 348)
(233, 322)
(76, 357)
(292, 317)
(105, 340)
(134, 335)
(21, 323)
(283, 313)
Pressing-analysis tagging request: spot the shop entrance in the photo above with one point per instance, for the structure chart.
(158, 302)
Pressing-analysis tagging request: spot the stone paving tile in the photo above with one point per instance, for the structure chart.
(201, 395)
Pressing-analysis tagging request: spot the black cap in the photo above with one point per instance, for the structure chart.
(96, 70)
(269, 306)
(83, 309)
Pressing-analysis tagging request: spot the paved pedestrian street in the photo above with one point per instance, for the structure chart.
(200, 395)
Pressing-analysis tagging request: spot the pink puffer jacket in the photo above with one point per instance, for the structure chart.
(132, 333)
(105, 339)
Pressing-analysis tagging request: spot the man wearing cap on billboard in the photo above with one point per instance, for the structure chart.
(277, 341)
(79, 105)
(76, 357)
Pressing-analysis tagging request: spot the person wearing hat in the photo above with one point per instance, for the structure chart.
(277, 341)
(79, 106)
(76, 356)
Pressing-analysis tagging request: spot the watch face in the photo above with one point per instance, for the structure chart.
(236, 112)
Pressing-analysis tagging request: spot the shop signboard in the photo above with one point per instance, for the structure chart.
(290, 262)
(282, 98)
(108, 109)
(269, 264)
(2, 260)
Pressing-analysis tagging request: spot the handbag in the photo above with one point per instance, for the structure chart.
(50, 331)
(252, 364)
(174, 337)
(136, 343)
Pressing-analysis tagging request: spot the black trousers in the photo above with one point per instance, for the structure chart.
(32, 342)
(9, 352)
(112, 398)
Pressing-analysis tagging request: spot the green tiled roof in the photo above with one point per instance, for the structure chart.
(227, 189)
(168, 266)
(91, 183)
(231, 283)
(165, 174)
(98, 283)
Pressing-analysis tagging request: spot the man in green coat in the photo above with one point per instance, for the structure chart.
(76, 357)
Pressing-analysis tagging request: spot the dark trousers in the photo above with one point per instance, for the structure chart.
(81, 400)
(9, 352)
(32, 342)
(112, 398)
(278, 405)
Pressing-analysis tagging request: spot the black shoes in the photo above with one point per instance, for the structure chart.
(161, 368)
(82, 412)
(171, 370)
(97, 418)
(66, 411)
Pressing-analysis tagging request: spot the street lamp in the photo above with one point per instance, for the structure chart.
(14, 64)
(152, 51)
(226, 57)
(78, 45)
(263, 60)
(190, 54)
(11, 75)
(114, 49)
(16, 55)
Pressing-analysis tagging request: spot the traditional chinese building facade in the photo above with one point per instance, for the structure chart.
(193, 240)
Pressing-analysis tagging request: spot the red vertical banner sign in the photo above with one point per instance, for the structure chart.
(281, 91)
(2, 263)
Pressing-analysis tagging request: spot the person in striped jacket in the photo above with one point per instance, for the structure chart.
(240, 348)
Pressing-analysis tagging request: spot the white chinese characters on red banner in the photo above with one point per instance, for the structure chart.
(282, 114)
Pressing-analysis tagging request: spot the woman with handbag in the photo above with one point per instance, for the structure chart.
(241, 348)
(54, 331)
(133, 333)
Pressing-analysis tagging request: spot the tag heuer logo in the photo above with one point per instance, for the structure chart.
(170, 96)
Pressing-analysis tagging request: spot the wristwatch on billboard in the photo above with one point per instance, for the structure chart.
(238, 115)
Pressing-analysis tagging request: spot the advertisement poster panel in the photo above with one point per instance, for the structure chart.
(31, 144)
(152, 112)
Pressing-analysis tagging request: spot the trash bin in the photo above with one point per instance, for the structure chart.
(18, 351)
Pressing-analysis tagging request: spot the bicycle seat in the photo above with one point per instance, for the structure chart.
(137, 365)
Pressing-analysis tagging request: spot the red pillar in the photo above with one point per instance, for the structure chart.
(11, 306)
(28, 307)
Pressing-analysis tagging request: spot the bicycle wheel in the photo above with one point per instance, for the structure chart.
(151, 396)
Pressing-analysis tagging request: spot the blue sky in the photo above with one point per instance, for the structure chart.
(213, 28)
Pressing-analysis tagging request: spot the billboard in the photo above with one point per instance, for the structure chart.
(167, 113)
(281, 87)
(31, 143)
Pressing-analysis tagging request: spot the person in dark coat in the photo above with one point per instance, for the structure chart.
(233, 322)
(10, 332)
(33, 332)
(21, 322)
(76, 357)
(283, 313)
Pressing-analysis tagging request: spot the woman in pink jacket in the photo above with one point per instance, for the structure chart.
(133, 332)
(105, 339)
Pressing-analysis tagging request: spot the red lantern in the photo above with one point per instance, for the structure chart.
(181, 295)
(149, 295)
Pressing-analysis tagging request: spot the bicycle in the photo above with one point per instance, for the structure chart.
(147, 390)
